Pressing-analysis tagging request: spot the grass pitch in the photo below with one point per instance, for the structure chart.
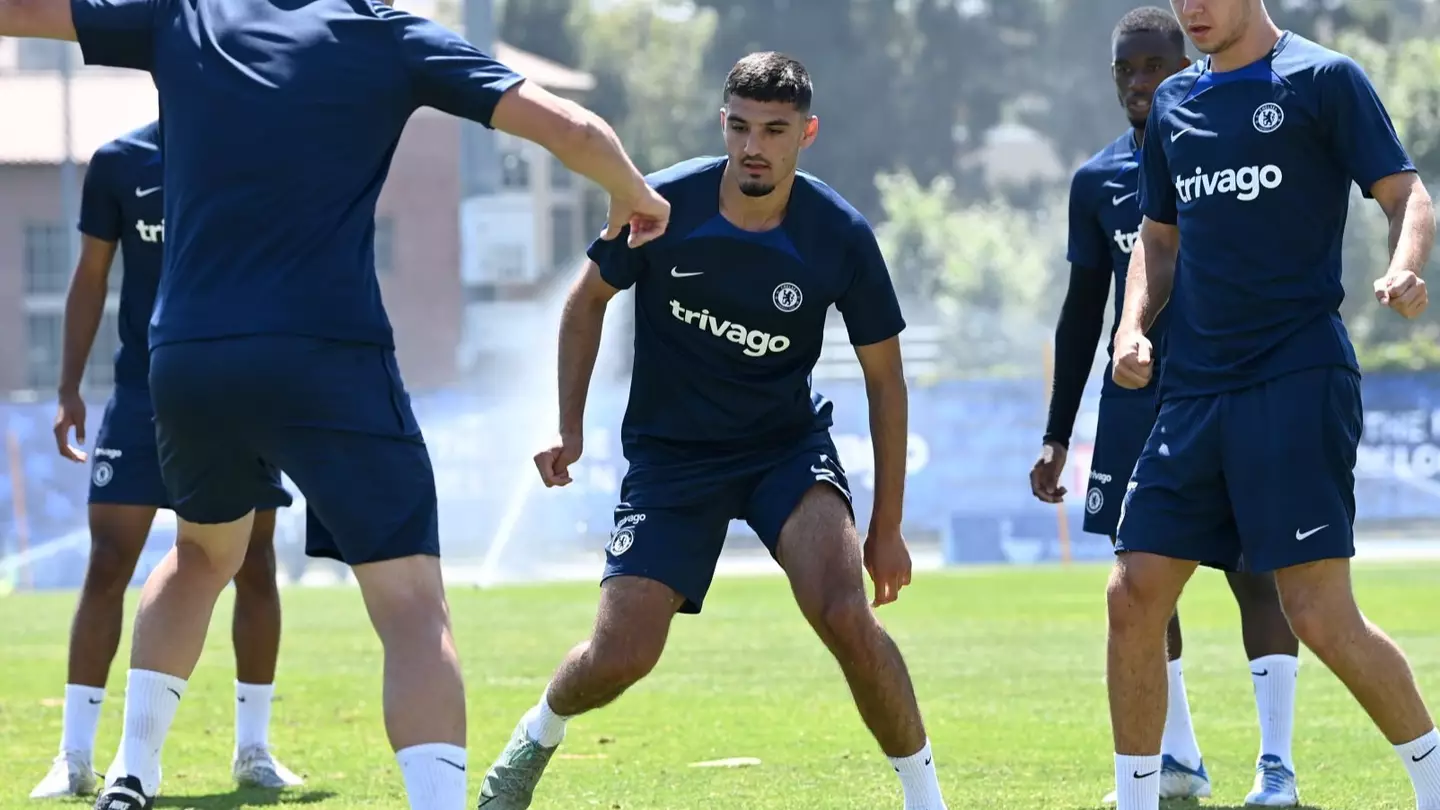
(1009, 665)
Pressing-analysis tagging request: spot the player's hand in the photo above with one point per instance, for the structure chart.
(554, 462)
(1402, 291)
(888, 562)
(645, 211)
(1134, 360)
(1045, 475)
(70, 415)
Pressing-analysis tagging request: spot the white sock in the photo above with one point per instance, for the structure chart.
(1137, 782)
(1422, 760)
(543, 725)
(434, 776)
(917, 779)
(82, 719)
(1179, 741)
(151, 699)
(252, 714)
(1274, 677)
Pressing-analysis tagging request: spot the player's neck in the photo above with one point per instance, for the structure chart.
(1250, 48)
(755, 213)
(1138, 133)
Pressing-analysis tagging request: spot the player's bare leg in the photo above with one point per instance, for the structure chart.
(1320, 603)
(117, 536)
(170, 628)
(820, 550)
(1144, 589)
(631, 627)
(255, 630)
(1273, 652)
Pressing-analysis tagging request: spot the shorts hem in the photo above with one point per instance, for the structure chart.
(692, 606)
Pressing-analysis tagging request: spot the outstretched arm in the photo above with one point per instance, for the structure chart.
(41, 19)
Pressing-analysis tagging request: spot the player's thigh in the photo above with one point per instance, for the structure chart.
(117, 537)
(1176, 504)
(1290, 447)
(204, 432)
(1124, 425)
(677, 547)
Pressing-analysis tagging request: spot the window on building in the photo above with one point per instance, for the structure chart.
(564, 242)
(384, 246)
(514, 170)
(47, 268)
(560, 177)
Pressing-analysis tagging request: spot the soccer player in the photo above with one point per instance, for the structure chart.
(121, 208)
(1148, 46)
(722, 424)
(1244, 184)
(269, 344)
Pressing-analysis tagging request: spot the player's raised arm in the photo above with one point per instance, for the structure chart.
(452, 75)
(42, 19)
(1411, 212)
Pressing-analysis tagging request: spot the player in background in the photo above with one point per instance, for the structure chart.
(1148, 46)
(269, 344)
(722, 424)
(121, 207)
(1245, 178)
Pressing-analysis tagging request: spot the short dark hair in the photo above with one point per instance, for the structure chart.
(770, 76)
(1150, 19)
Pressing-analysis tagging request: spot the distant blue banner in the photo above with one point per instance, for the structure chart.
(971, 447)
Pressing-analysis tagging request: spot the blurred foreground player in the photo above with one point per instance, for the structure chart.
(121, 207)
(1250, 156)
(730, 308)
(270, 346)
(1148, 47)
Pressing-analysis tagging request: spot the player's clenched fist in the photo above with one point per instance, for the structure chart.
(1134, 360)
(553, 463)
(646, 212)
(1402, 291)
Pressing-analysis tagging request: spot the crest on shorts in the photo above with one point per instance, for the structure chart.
(622, 541)
(787, 297)
(1268, 117)
(1094, 501)
(102, 473)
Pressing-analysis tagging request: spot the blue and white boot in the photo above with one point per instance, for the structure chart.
(1274, 785)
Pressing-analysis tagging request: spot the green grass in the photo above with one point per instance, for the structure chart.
(1008, 663)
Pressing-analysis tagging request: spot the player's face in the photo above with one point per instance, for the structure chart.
(1142, 61)
(1214, 25)
(763, 140)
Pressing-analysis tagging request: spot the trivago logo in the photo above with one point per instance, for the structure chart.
(756, 342)
(1245, 184)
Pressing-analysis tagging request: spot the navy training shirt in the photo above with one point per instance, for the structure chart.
(729, 323)
(279, 121)
(1255, 166)
(1104, 224)
(123, 202)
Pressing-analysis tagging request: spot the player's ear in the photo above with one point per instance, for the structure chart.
(812, 128)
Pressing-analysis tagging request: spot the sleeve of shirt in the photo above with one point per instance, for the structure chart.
(620, 265)
(869, 305)
(1088, 245)
(1082, 319)
(117, 33)
(100, 214)
(1157, 192)
(452, 75)
(1360, 129)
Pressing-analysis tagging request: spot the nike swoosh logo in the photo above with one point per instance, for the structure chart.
(1262, 673)
(1112, 184)
(927, 760)
(675, 273)
(173, 692)
(1118, 200)
(457, 766)
(145, 192)
(1175, 136)
(1139, 775)
(1422, 756)
(1299, 535)
(94, 702)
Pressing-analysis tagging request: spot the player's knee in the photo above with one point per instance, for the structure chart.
(256, 576)
(620, 662)
(846, 621)
(1141, 592)
(1319, 616)
(405, 598)
(1254, 590)
(111, 567)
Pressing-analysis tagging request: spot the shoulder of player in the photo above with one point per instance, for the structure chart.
(829, 205)
(683, 175)
(1174, 89)
(1301, 60)
(1096, 169)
